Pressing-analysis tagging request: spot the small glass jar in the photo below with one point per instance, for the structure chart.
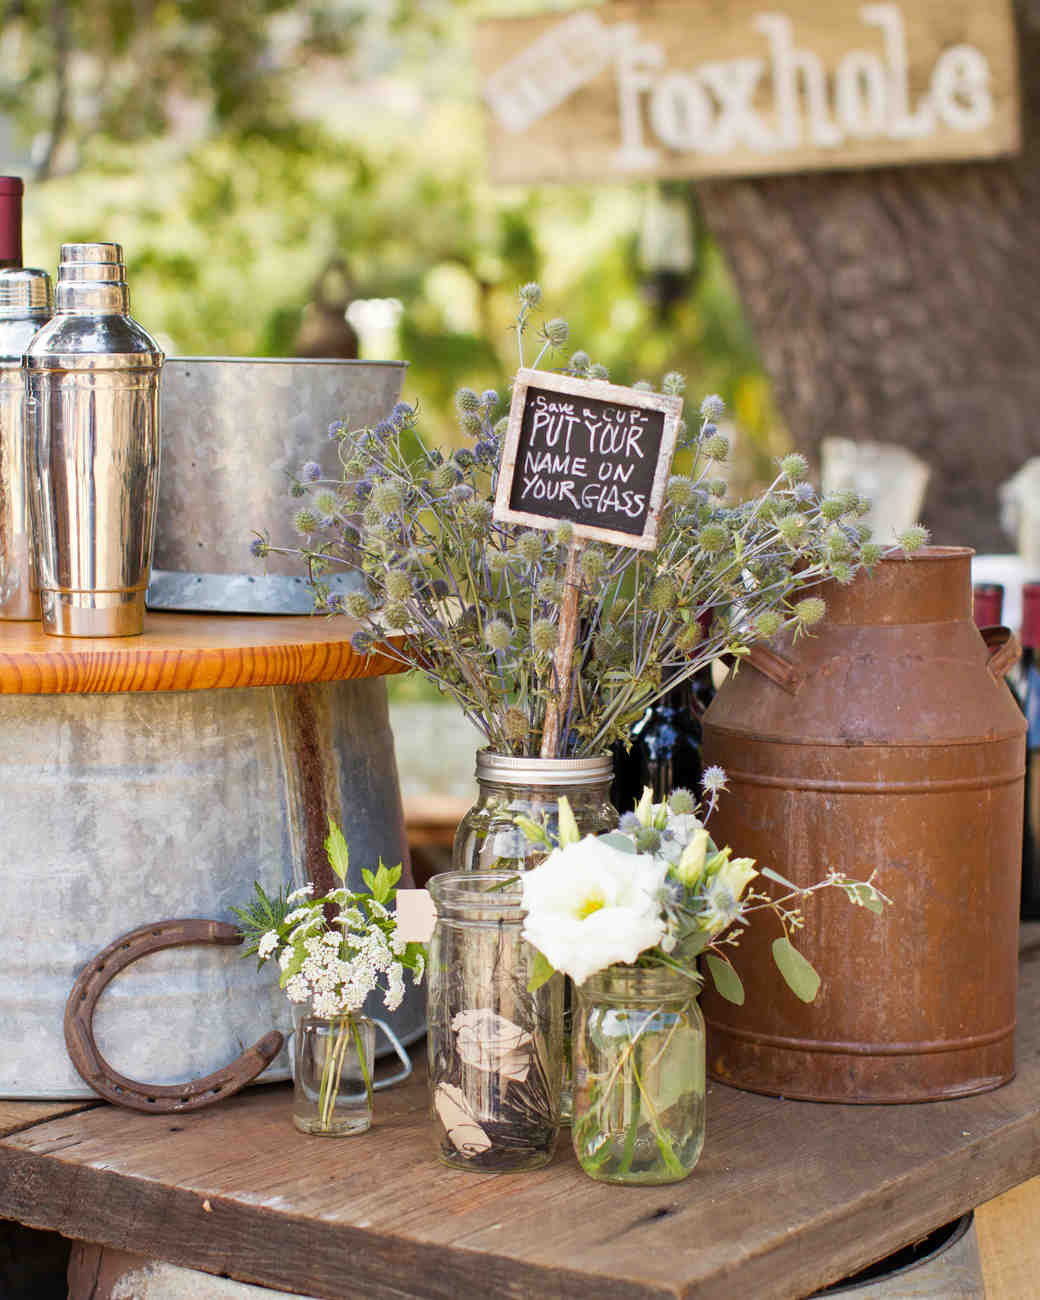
(488, 838)
(495, 1049)
(639, 1077)
(332, 1074)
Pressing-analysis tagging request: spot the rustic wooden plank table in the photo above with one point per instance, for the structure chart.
(788, 1197)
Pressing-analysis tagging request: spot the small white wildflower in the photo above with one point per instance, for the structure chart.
(419, 969)
(284, 958)
(331, 940)
(304, 891)
(299, 914)
(297, 989)
(268, 943)
(327, 1005)
(394, 987)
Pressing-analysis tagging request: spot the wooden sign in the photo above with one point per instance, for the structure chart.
(703, 88)
(593, 453)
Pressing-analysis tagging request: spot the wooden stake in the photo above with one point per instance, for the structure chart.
(564, 656)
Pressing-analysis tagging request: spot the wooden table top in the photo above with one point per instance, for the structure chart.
(788, 1196)
(185, 652)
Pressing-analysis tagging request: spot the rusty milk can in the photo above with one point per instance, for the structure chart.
(887, 742)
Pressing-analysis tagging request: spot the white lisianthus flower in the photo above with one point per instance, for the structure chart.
(590, 905)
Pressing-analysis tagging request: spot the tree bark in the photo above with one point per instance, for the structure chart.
(903, 305)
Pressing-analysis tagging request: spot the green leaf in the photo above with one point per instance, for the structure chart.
(798, 972)
(780, 880)
(336, 848)
(725, 979)
(369, 880)
(568, 827)
(535, 833)
(617, 840)
(541, 971)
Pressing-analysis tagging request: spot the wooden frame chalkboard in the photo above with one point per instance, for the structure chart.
(589, 452)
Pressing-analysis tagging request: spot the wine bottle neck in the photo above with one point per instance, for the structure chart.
(10, 221)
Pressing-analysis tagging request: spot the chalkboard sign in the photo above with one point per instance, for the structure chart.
(593, 453)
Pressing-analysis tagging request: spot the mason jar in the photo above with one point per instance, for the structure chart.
(488, 838)
(495, 1049)
(639, 1075)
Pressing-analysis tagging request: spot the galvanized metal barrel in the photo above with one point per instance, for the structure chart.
(120, 810)
(886, 743)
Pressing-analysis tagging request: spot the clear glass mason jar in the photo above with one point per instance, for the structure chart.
(488, 838)
(495, 1049)
(639, 1077)
(332, 1074)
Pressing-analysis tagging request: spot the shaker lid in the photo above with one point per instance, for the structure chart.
(25, 291)
(93, 254)
(91, 278)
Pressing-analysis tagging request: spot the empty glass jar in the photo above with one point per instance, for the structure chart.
(495, 1049)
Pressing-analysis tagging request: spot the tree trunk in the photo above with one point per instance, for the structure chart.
(903, 305)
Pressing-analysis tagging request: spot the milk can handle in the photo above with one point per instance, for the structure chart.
(153, 1098)
(1004, 647)
(778, 669)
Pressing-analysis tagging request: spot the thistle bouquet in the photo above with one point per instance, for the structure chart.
(476, 602)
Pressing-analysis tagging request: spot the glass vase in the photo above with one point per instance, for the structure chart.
(332, 1075)
(495, 1049)
(639, 1078)
(488, 838)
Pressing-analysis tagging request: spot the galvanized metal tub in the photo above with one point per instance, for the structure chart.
(120, 810)
(888, 742)
(233, 430)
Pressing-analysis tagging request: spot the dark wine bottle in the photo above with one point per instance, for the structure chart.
(988, 604)
(1029, 686)
(665, 750)
(11, 190)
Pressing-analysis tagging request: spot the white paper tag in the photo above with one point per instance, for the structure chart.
(416, 915)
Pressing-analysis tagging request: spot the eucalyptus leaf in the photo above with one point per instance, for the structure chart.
(798, 971)
(617, 840)
(780, 880)
(725, 979)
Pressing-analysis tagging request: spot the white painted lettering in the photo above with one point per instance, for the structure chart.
(860, 95)
(788, 65)
(960, 89)
(902, 124)
(633, 80)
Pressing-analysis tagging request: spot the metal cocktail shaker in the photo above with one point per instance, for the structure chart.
(92, 386)
(25, 305)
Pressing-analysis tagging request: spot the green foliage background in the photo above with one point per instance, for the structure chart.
(235, 146)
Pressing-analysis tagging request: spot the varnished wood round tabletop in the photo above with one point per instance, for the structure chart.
(185, 652)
